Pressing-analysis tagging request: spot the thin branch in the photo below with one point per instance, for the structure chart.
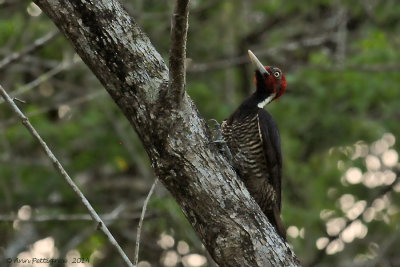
(65, 175)
(177, 70)
(234, 61)
(87, 232)
(42, 78)
(139, 229)
(390, 67)
(73, 102)
(70, 217)
(38, 43)
(341, 38)
(113, 215)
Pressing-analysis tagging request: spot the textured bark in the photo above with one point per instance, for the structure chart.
(216, 203)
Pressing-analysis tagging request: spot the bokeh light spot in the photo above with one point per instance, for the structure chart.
(293, 231)
(372, 162)
(390, 158)
(194, 260)
(166, 241)
(322, 242)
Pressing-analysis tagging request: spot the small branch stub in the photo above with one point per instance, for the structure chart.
(177, 69)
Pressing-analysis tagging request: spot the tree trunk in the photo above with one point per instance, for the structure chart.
(216, 203)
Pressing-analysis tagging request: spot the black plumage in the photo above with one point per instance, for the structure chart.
(254, 142)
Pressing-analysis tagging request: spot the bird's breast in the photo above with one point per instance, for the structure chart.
(244, 140)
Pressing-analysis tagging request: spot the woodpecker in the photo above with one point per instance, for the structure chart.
(253, 139)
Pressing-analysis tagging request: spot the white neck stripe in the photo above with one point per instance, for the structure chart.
(266, 101)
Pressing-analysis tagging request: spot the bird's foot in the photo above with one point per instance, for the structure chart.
(218, 139)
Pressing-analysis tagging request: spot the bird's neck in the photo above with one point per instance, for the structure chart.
(266, 100)
(258, 100)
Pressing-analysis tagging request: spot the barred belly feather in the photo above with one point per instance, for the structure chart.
(244, 140)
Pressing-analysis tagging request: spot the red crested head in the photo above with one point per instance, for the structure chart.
(276, 81)
(270, 81)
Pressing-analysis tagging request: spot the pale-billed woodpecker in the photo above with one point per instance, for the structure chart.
(253, 139)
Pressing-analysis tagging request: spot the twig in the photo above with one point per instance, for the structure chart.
(341, 38)
(390, 67)
(19, 100)
(234, 61)
(86, 233)
(177, 69)
(42, 78)
(70, 217)
(65, 175)
(38, 43)
(73, 102)
(139, 229)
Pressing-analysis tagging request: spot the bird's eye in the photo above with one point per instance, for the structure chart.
(277, 74)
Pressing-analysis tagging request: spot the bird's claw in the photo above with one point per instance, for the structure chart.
(218, 139)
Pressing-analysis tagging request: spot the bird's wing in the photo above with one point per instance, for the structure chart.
(272, 150)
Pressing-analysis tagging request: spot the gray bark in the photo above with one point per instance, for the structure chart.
(216, 203)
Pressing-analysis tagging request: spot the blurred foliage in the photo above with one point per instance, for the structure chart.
(338, 122)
